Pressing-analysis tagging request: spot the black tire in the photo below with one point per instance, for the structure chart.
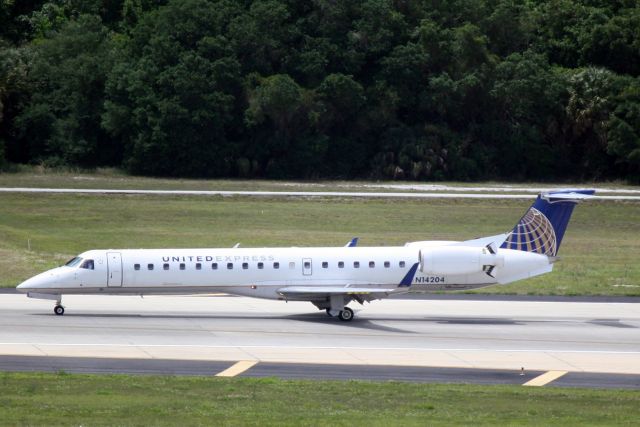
(58, 310)
(346, 315)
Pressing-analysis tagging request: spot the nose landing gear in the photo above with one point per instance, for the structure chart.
(58, 309)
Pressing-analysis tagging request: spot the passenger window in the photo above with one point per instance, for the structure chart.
(276, 265)
(149, 266)
(229, 266)
(292, 265)
(245, 265)
(165, 266)
(260, 266)
(307, 264)
(88, 264)
(198, 266)
(325, 264)
(387, 264)
(136, 267)
(401, 264)
(372, 264)
(341, 264)
(182, 266)
(214, 266)
(356, 264)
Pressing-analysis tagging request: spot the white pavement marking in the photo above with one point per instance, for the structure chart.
(545, 378)
(291, 193)
(237, 368)
(284, 347)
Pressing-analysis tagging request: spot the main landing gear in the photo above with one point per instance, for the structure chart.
(346, 314)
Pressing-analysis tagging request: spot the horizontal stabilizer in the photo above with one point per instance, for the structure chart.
(482, 242)
(570, 196)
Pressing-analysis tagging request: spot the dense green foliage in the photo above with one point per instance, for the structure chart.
(414, 89)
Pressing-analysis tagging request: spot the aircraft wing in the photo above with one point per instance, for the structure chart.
(331, 290)
(323, 293)
(358, 292)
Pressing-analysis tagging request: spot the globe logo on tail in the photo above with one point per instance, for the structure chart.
(534, 233)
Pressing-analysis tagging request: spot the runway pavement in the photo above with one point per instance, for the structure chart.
(583, 343)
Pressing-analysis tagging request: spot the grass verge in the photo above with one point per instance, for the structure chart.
(40, 231)
(79, 399)
(108, 178)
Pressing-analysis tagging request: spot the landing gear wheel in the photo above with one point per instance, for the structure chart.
(328, 310)
(58, 310)
(346, 315)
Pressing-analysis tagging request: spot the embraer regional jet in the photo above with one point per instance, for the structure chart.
(328, 277)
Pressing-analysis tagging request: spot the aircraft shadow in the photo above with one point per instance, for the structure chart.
(316, 318)
(474, 321)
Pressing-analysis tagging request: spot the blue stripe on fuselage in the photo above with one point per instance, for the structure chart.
(408, 278)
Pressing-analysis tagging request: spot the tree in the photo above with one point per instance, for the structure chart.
(615, 43)
(68, 73)
(591, 93)
(528, 99)
(173, 96)
(14, 93)
(623, 130)
(279, 111)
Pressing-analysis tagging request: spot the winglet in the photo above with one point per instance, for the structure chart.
(352, 243)
(408, 278)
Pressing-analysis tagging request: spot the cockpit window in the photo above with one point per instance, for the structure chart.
(87, 263)
(73, 262)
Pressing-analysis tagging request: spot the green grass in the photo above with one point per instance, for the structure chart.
(36, 176)
(72, 399)
(598, 254)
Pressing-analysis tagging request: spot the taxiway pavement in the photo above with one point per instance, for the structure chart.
(572, 337)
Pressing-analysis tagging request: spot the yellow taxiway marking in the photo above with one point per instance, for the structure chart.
(545, 378)
(237, 368)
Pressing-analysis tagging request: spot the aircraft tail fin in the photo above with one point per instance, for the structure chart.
(542, 227)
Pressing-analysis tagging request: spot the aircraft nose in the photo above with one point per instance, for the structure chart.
(25, 286)
(40, 281)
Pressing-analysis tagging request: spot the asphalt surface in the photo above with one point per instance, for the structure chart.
(311, 371)
(591, 344)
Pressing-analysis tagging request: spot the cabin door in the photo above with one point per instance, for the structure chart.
(114, 269)
(307, 266)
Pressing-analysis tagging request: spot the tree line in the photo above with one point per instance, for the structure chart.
(404, 89)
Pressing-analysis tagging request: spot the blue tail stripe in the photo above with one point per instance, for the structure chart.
(542, 227)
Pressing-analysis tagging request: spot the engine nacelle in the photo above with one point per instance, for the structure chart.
(458, 260)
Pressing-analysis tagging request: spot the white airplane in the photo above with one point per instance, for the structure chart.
(328, 277)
